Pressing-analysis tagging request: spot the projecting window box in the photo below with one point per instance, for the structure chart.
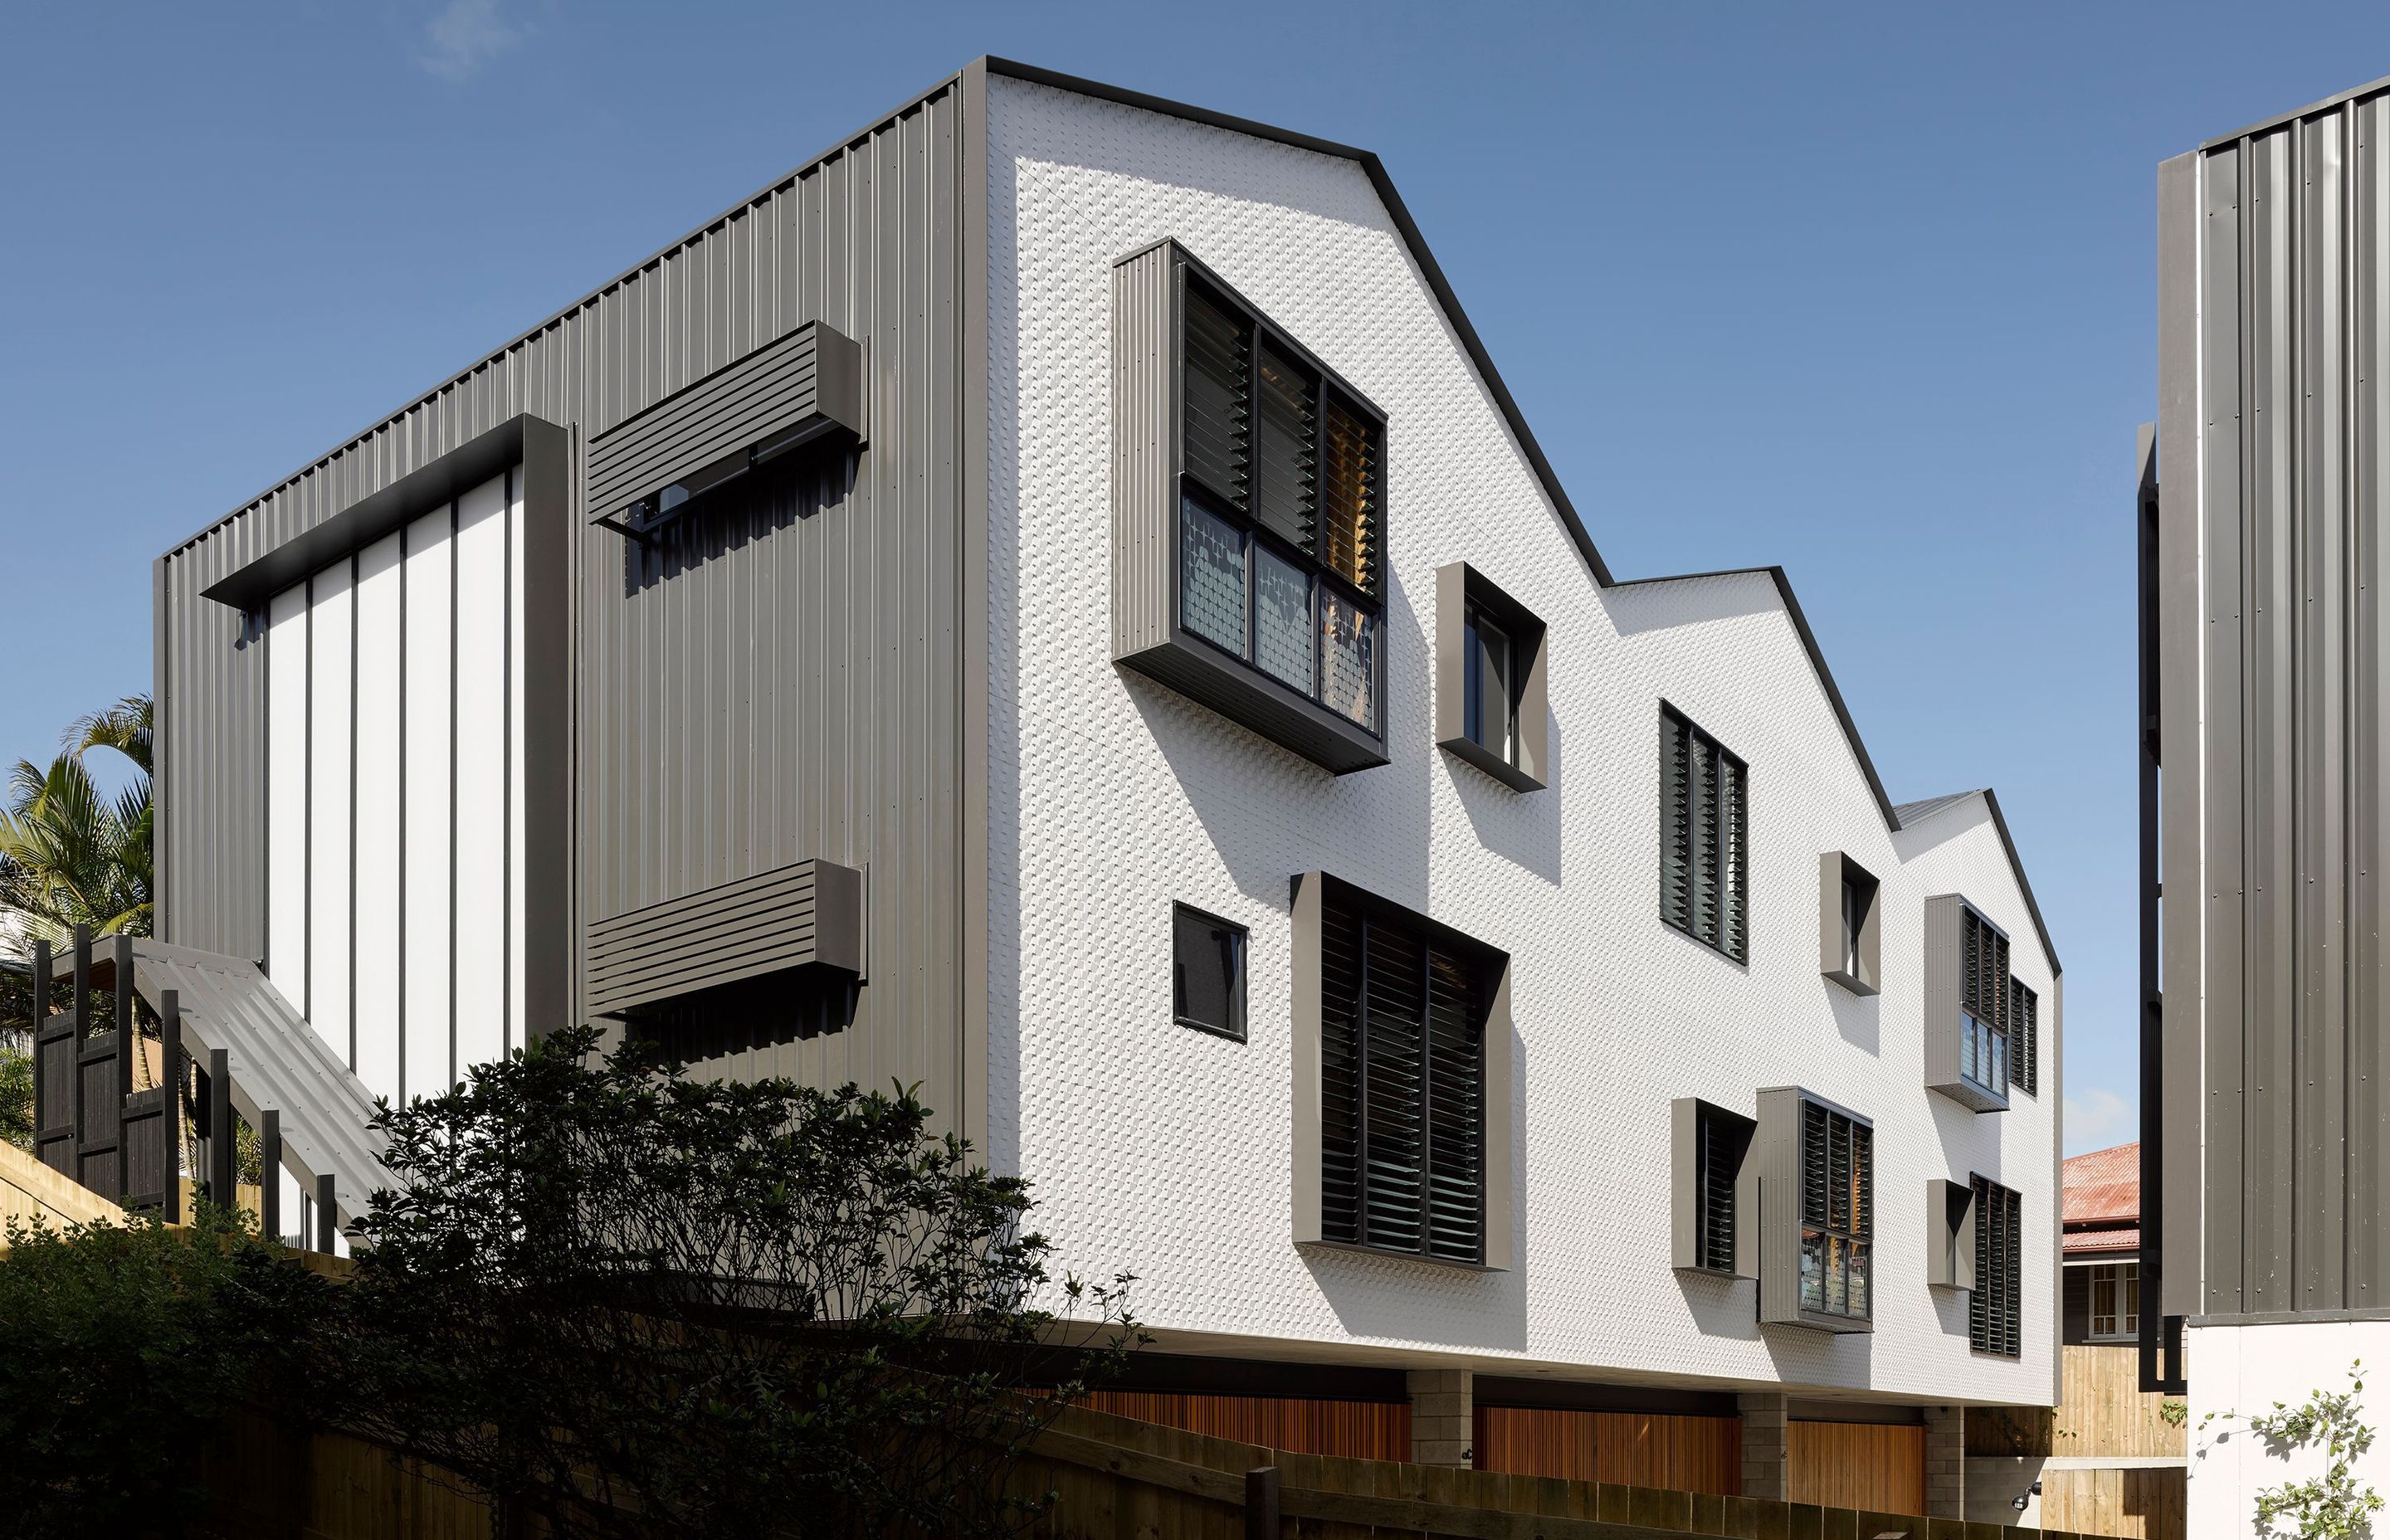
(1248, 516)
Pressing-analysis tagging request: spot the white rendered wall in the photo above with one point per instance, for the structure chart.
(2247, 1368)
(394, 798)
(1166, 1151)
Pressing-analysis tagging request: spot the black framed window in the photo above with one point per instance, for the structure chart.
(1282, 509)
(1403, 1015)
(1207, 972)
(2024, 1037)
(2116, 1300)
(1984, 990)
(1994, 1313)
(1837, 1162)
(1489, 708)
(1704, 837)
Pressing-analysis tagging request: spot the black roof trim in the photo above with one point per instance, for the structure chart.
(1934, 806)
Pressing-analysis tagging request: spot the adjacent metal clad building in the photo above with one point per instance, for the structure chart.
(774, 684)
(2268, 576)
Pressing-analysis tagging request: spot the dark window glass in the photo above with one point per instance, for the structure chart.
(1402, 1093)
(1489, 704)
(1994, 1313)
(1704, 888)
(1278, 524)
(1207, 972)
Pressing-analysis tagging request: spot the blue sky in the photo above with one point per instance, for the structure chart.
(1865, 290)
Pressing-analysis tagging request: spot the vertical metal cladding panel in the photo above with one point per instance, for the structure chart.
(1942, 944)
(1144, 419)
(2293, 262)
(780, 681)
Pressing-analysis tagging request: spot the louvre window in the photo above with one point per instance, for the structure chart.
(1704, 837)
(2024, 1036)
(1984, 1003)
(1402, 1087)
(1714, 1197)
(1995, 1312)
(1207, 972)
(1837, 1212)
(1279, 509)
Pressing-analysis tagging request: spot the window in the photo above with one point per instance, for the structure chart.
(1837, 1195)
(1704, 839)
(1714, 1201)
(1817, 1205)
(1248, 503)
(1491, 705)
(1207, 972)
(1403, 1013)
(1850, 935)
(1279, 515)
(1995, 1312)
(2024, 1036)
(1950, 1235)
(1983, 1002)
(2116, 1300)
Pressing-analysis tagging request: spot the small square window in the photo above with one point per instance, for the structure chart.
(1491, 696)
(1207, 973)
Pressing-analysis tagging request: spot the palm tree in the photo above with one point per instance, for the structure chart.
(70, 856)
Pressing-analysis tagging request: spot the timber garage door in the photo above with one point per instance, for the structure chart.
(1672, 1452)
(1876, 1467)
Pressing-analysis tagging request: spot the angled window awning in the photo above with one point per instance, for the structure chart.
(801, 390)
(277, 1062)
(805, 918)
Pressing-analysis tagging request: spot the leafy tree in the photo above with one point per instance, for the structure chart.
(17, 1097)
(69, 854)
(121, 1348)
(625, 1301)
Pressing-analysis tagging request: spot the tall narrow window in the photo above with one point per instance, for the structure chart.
(1279, 522)
(1837, 1212)
(2024, 1037)
(1704, 837)
(1489, 700)
(1994, 1313)
(1984, 1003)
(1714, 1196)
(1402, 1087)
(1207, 972)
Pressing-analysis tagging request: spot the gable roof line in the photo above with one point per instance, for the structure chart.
(1933, 807)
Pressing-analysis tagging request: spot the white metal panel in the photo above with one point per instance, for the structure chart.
(332, 726)
(481, 794)
(424, 1067)
(286, 792)
(379, 751)
(516, 887)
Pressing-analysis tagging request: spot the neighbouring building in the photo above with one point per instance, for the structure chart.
(2100, 1209)
(2265, 1260)
(1052, 601)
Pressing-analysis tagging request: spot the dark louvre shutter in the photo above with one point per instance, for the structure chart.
(1733, 885)
(1721, 1154)
(1217, 409)
(1455, 1109)
(1676, 821)
(1402, 1089)
(1349, 492)
(1339, 1075)
(1816, 1183)
(1285, 447)
(1995, 1314)
(2029, 1054)
(1704, 837)
(1394, 1145)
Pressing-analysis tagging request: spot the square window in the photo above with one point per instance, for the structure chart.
(1207, 972)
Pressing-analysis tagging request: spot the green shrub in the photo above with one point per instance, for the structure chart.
(122, 1347)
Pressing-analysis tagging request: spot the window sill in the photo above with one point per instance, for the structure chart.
(1494, 764)
(1856, 984)
(1207, 1028)
(1974, 1098)
(1839, 1326)
(1990, 1352)
(1445, 1264)
(1251, 700)
(1712, 947)
(1723, 1275)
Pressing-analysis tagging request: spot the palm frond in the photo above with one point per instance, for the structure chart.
(126, 727)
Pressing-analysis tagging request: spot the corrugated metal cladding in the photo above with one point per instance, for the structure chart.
(777, 679)
(2293, 341)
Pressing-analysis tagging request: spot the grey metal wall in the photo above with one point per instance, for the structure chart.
(776, 680)
(2274, 474)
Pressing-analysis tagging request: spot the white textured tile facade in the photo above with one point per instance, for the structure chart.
(1168, 1152)
(2238, 1371)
